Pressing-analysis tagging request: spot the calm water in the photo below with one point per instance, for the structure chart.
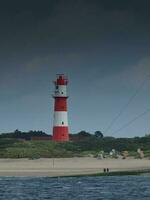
(88, 188)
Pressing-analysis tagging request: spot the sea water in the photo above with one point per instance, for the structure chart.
(71, 188)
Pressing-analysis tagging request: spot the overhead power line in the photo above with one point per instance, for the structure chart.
(133, 120)
(128, 103)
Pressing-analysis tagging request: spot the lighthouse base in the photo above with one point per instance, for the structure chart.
(60, 134)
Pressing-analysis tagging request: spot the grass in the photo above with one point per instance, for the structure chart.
(35, 149)
(116, 173)
(12, 148)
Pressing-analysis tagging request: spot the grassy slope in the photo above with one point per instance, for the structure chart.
(117, 173)
(11, 148)
(34, 149)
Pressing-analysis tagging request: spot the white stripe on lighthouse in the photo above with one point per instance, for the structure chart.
(60, 118)
(60, 91)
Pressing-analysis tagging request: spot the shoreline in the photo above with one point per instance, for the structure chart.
(56, 167)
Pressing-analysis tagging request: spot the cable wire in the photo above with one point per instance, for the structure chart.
(133, 120)
(128, 103)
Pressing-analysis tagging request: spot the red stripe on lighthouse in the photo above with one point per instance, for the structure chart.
(60, 104)
(60, 133)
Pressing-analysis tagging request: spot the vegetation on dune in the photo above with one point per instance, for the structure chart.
(23, 135)
(20, 145)
(116, 173)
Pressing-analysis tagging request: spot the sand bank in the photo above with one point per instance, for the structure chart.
(68, 166)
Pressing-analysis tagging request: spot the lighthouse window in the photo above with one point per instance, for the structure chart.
(62, 122)
(56, 87)
(62, 92)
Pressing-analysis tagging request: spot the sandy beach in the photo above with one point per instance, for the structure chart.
(68, 166)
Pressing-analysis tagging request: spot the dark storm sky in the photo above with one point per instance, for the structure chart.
(104, 48)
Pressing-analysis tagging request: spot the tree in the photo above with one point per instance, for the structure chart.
(98, 134)
(84, 134)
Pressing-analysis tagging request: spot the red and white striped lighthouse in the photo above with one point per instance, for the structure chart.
(60, 124)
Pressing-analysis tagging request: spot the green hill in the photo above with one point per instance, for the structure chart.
(81, 144)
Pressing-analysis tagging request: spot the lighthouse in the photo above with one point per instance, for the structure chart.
(60, 123)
